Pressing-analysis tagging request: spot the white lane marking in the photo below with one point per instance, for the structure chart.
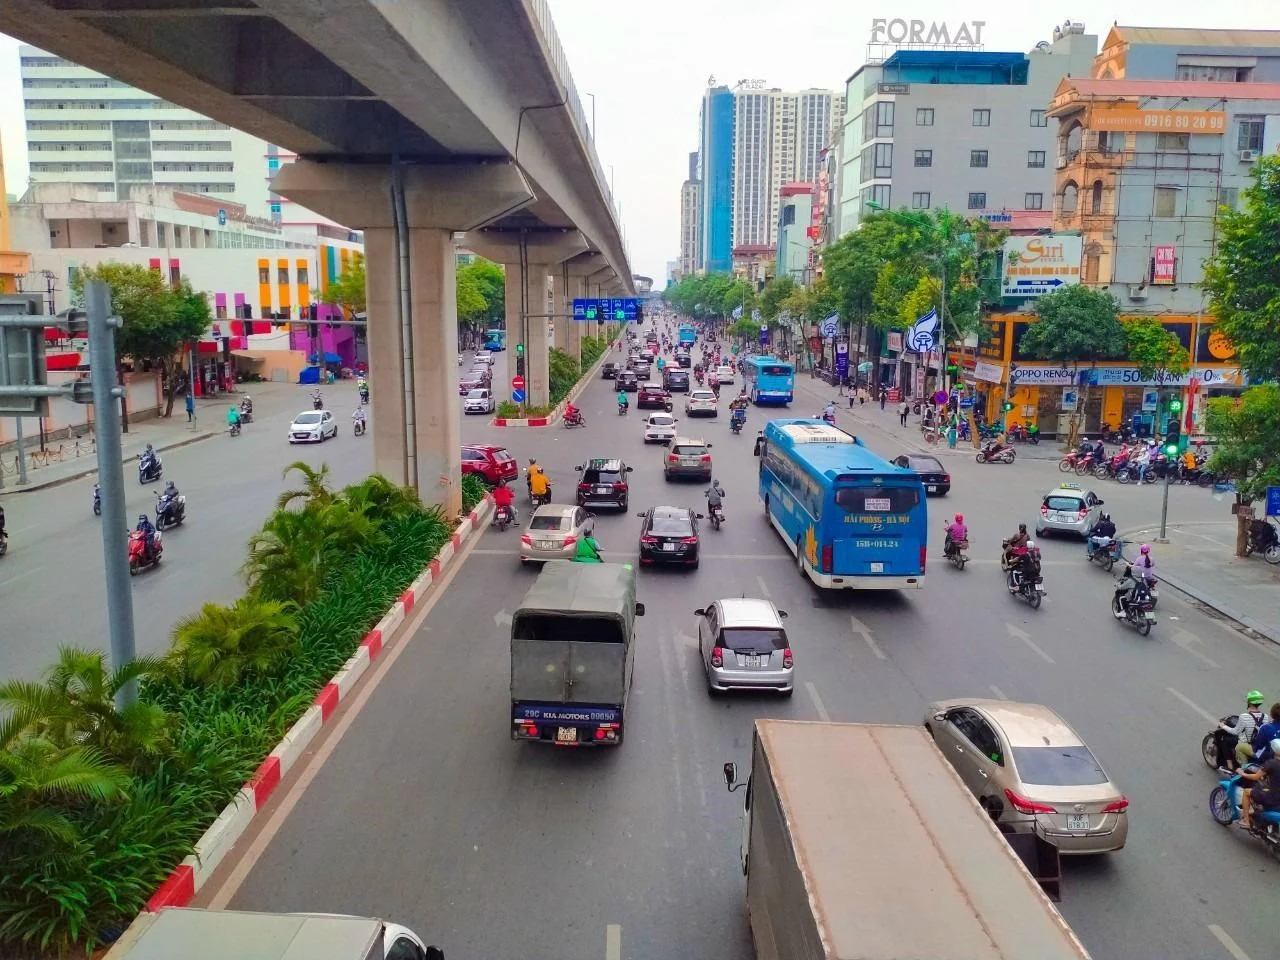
(612, 942)
(764, 587)
(862, 629)
(18, 576)
(817, 702)
(998, 692)
(1184, 640)
(1194, 706)
(1228, 944)
(1022, 635)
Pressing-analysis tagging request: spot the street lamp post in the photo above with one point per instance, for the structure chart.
(593, 116)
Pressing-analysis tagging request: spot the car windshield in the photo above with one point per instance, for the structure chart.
(753, 640)
(1058, 766)
(877, 499)
(502, 456)
(476, 395)
(671, 525)
(702, 395)
(307, 418)
(550, 521)
(1066, 504)
(689, 449)
(661, 421)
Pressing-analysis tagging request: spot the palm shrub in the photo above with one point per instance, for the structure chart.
(75, 706)
(473, 491)
(288, 560)
(219, 645)
(380, 500)
(315, 485)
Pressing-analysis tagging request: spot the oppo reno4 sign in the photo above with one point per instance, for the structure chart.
(967, 33)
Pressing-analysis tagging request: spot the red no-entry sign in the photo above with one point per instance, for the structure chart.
(517, 383)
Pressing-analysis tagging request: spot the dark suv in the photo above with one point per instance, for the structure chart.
(609, 371)
(677, 381)
(603, 483)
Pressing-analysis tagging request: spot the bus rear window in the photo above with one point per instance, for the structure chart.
(877, 499)
(775, 371)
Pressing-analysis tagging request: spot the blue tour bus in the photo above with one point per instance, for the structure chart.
(768, 380)
(495, 339)
(687, 336)
(853, 520)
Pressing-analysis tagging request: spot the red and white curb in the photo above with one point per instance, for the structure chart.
(189, 876)
(555, 414)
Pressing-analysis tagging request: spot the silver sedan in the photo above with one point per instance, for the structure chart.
(554, 532)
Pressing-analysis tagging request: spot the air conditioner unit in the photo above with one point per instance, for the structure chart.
(1137, 291)
(1248, 156)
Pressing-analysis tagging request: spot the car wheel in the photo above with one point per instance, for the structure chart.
(694, 565)
(624, 505)
(666, 476)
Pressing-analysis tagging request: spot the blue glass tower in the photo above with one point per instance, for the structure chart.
(717, 180)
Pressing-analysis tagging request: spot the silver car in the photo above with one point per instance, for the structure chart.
(1068, 509)
(744, 646)
(313, 426)
(554, 531)
(478, 401)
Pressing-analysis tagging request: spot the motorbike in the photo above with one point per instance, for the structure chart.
(170, 512)
(97, 500)
(955, 552)
(503, 516)
(149, 471)
(1021, 433)
(1020, 586)
(540, 499)
(364, 395)
(828, 417)
(715, 513)
(1263, 539)
(622, 409)
(1224, 807)
(995, 453)
(138, 559)
(1209, 746)
(1105, 551)
(574, 420)
(737, 422)
(1078, 461)
(1135, 608)
(246, 411)
(234, 428)
(358, 426)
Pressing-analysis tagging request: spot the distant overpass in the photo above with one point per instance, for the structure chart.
(414, 121)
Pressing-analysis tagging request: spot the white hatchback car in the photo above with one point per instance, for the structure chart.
(660, 428)
(724, 373)
(313, 426)
(701, 402)
(478, 401)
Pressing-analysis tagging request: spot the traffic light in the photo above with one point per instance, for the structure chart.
(1175, 405)
(1008, 405)
(519, 359)
(1173, 435)
(952, 369)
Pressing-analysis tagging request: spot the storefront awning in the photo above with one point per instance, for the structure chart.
(246, 355)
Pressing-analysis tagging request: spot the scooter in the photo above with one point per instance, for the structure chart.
(736, 423)
(1224, 807)
(716, 515)
(1032, 592)
(358, 427)
(1139, 611)
(149, 471)
(1103, 550)
(317, 401)
(622, 409)
(540, 499)
(503, 516)
(97, 500)
(576, 420)
(1209, 747)
(234, 428)
(169, 513)
(996, 454)
(246, 411)
(138, 548)
(955, 552)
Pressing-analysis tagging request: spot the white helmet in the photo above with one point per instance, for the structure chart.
(1031, 544)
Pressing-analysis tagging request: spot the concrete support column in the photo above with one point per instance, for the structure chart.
(577, 290)
(561, 307)
(386, 356)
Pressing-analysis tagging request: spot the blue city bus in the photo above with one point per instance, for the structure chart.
(853, 520)
(495, 339)
(768, 380)
(687, 336)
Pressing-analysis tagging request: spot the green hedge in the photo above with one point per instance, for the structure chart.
(79, 892)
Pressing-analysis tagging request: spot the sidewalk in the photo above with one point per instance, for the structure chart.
(1199, 560)
(80, 459)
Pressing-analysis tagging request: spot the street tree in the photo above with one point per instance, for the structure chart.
(160, 320)
(1156, 351)
(1076, 326)
(1248, 451)
(773, 295)
(488, 278)
(473, 309)
(347, 290)
(1242, 278)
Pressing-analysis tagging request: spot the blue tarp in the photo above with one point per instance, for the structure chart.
(328, 358)
(309, 375)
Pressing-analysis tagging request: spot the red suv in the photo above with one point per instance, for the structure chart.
(652, 395)
(490, 462)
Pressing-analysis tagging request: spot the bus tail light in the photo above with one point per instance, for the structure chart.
(717, 656)
(924, 557)
(826, 558)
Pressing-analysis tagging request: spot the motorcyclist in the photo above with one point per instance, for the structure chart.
(1247, 723)
(1266, 795)
(317, 401)
(358, 416)
(1100, 533)
(1028, 566)
(3, 534)
(715, 497)
(1015, 543)
(504, 497)
(1146, 565)
(233, 417)
(588, 550)
(1265, 734)
(829, 412)
(1099, 452)
(246, 407)
(571, 413)
(148, 536)
(623, 402)
(539, 485)
(957, 532)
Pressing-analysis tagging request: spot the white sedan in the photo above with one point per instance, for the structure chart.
(701, 401)
(313, 426)
(478, 401)
(660, 428)
(724, 373)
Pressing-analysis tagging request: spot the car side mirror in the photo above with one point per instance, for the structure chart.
(782, 614)
(640, 515)
(435, 953)
(730, 774)
(639, 609)
(710, 445)
(630, 469)
(940, 717)
(700, 516)
(700, 612)
(1098, 503)
(578, 468)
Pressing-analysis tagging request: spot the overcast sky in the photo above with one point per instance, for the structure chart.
(647, 62)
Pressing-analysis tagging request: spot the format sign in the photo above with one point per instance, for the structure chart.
(965, 34)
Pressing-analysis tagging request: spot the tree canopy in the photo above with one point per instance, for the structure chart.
(485, 278)
(347, 290)
(1076, 325)
(1155, 350)
(1242, 279)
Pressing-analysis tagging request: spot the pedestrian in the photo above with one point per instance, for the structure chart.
(953, 431)
(862, 396)
(191, 407)
(903, 409)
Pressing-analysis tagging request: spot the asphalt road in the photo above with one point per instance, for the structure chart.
(428, 813)
(52, 591)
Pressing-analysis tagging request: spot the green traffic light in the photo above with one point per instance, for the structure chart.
(519, 348)
(1175, 405)
(1171, 449)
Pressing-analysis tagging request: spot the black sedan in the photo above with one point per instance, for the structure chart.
(936, 480)
(609, 371)
(669, 535)
(628, 381)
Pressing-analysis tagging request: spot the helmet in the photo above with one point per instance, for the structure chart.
(1022, 528)
(1105, 516)
(143, 518)
(1145, 549)
(1031, 545)
(1253, 697)
(959, 518)
(532, 461)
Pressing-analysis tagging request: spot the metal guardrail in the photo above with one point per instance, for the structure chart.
(541, 10)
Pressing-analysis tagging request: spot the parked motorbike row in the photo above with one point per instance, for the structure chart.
(1122, 467)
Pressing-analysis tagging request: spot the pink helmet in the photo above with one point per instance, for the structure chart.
(1145, 548)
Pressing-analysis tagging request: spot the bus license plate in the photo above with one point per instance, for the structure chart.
(1077, 821)
(566, 735)
(877, 568)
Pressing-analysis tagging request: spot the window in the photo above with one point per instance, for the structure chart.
(1173, 142)
(1061, 766)
(1249, 136)
(1091, 264)
(924, 158)
(302, 275)
(884, 118)
(1229, 197)
(1035, 159)
(1095, 197)
(982, 118)
(753, 641)
(873, 499)
(1070, 197)
(977, 201)
(1039, 118)
(977, 158)
(920, 200)
(1166, 202)
(1218, 74)
(175, 275)
(264, 275)
(1033, 201)
(282, 275)
(883, 153)
(220, 311)
(924, 116)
